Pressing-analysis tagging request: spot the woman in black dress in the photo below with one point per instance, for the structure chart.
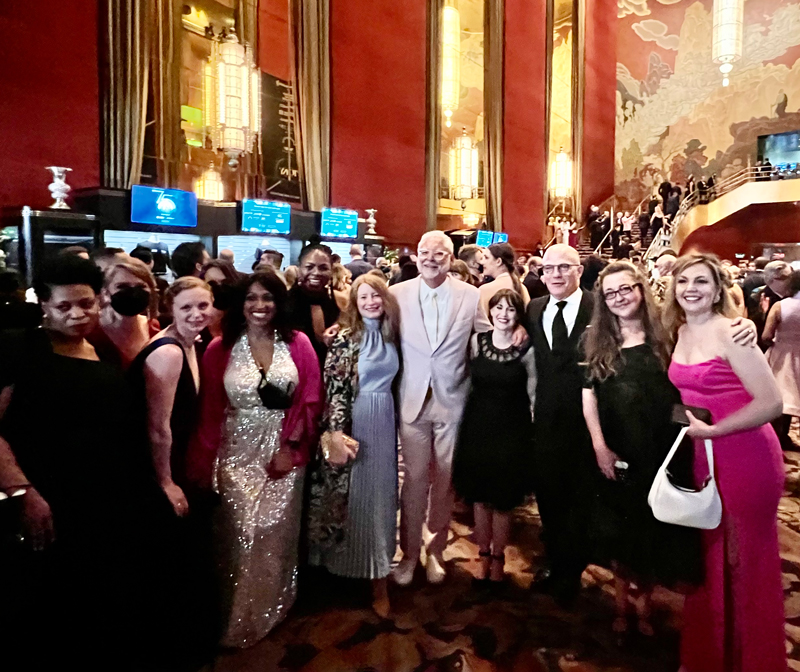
(627, 403)
(165, 379)
(72, 588)
(494, 443)
(312, 305)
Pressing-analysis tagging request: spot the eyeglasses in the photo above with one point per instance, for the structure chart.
(563, 269)
(436, 256)
(623, 290)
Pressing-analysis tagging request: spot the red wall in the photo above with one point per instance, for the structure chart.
(274, 55)
(378, 93)
(49, 108)
(763, 223)
(599, 102)
(524, 159)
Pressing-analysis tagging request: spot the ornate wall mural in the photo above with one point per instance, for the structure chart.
(674, 116)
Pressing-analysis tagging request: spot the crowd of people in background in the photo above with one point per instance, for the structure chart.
(182, 451)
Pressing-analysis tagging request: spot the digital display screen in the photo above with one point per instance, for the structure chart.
(338, 223)
(163, 207)
(484, 238)
(500, 237)
(266, 216)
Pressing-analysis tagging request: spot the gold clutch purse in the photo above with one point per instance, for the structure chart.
(326, 442)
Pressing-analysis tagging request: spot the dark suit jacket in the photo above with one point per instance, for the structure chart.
(359, 267)
(535, 286)
(558, 412)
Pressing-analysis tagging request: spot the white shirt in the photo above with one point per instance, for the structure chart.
(435, 316)
(570, 313)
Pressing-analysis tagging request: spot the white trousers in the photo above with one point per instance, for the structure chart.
(427, 445)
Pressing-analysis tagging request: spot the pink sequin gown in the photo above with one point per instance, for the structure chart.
(735, 621)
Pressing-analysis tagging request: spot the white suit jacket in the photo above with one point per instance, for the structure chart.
(444, 367)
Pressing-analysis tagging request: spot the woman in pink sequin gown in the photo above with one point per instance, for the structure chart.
(735, 621)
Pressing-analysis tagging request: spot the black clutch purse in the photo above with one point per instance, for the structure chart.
(273, 397)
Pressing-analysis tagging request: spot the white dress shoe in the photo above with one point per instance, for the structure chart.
(403, 574)
(434, 568)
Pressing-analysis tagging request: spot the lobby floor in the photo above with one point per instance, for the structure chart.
(452, 628)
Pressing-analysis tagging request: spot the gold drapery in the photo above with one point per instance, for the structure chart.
(311, 30)
(125, 41)
(493, 106)
(166, 88)
(433, 137)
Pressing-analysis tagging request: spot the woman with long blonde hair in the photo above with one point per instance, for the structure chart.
(360, 371)
(735, 621)
(627, 403)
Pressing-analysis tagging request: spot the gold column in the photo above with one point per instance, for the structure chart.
(433, 136)
(312, 85)
(493, 106)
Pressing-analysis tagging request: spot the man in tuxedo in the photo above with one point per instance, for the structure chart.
(357, 265)
(439, 315)
(563, 462)
(533, 280)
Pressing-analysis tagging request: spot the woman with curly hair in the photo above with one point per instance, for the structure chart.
(360, 370)
(627, 403)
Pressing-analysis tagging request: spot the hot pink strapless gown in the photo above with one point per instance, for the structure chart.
(735, 621)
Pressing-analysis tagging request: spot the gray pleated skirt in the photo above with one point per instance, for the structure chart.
(371, 528)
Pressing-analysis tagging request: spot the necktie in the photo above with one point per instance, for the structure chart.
(433, 330)
(560, 334)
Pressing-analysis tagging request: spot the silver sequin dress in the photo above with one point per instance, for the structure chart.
(260, 517)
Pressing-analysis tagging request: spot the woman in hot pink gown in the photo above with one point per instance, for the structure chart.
(735, 621)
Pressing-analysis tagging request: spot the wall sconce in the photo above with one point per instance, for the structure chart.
(463, 168)
(232, 97)
(561, 175)
(210, 187)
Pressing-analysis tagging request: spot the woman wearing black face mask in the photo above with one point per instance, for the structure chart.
(129, 306)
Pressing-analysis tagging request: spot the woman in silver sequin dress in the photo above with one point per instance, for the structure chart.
(261, 408)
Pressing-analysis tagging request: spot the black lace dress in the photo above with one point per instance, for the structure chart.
(491, 459)
(635, 408)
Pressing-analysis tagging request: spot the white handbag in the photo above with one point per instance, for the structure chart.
(679, 506)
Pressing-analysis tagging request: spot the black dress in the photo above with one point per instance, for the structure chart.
(494, 443)
(635, 408)
(184, 407)
(189, 618)
(69, 425)
(300, 317)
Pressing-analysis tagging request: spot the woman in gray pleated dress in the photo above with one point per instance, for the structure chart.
(360, 370)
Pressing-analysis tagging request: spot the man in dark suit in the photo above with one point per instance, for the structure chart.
(357, 266)
(563, 462)
(533, 281)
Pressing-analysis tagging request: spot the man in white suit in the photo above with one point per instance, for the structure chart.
(438, 315)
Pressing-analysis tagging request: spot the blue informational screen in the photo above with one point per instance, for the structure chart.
(266, 216)
(484, 239)
(163, 207)
(500, 237)
(338, 223)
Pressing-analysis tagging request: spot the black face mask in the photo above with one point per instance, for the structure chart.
(223, 296)
(130, 301)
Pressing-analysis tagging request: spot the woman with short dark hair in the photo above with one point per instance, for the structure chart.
(68, 440)
(492, 454)
(312, 305)
(260, 407)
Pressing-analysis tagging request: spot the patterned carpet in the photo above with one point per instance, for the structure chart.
(453, 628)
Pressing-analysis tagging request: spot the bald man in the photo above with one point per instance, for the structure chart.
(563, 462)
